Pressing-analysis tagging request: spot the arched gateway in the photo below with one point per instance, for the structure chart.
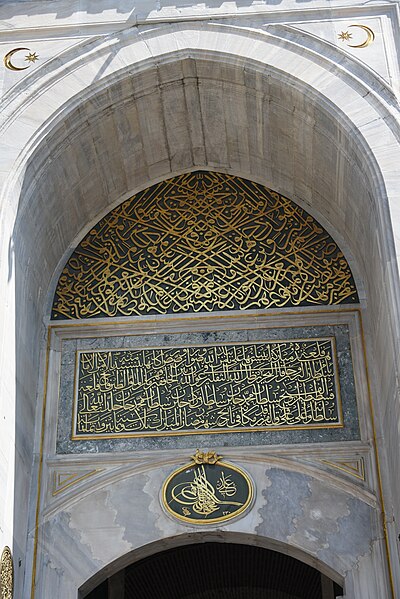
(199, 227)
(217, 570)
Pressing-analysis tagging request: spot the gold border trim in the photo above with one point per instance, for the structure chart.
(166, 433)
(113, 323)
(40, 467)
(73, 480)
(377, 462)
(348, 470)
(240, 511)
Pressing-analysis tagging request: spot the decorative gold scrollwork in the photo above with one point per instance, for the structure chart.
(202, 242)
(6, 575)
(209, 457)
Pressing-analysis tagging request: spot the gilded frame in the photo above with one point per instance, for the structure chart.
(338, 424)
(240, 512)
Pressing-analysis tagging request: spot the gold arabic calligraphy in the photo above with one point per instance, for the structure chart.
(173, 390)
(200, 494)
(225, 486)
(202, 242)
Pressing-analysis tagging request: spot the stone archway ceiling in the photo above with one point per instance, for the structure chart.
(202, 242)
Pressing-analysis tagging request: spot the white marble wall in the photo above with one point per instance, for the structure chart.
(298, 510)
(106, 506)
(122, 100)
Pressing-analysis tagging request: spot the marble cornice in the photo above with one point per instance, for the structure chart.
(14, 27)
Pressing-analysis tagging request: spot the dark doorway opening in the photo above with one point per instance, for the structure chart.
(218, 571)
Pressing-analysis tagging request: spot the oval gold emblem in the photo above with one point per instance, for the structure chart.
(207, 491)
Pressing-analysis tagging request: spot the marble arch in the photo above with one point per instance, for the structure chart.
(207, 537)
(193, 94)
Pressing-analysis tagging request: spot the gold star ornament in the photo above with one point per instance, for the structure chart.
(345, 36)
(32, 57)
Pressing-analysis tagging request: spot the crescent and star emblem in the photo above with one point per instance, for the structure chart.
(346, 36)
(31, 57)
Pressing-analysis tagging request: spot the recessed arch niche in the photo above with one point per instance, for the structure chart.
(65, 198)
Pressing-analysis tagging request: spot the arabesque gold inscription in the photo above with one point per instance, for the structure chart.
(210, 388)
(202, 242)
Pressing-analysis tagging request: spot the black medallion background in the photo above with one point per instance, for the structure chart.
(202, 242)
(207, 493)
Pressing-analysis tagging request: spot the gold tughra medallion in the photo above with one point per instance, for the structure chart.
(207, 490)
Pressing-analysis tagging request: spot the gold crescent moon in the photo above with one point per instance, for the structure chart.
(368, 41)
(7, 60)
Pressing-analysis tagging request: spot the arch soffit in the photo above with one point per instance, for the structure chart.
(61, 86)
(347, 88)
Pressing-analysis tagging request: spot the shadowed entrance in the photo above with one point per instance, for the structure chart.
(218, 571)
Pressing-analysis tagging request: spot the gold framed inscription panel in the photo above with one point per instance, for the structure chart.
(338, 328)
(196, 389)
